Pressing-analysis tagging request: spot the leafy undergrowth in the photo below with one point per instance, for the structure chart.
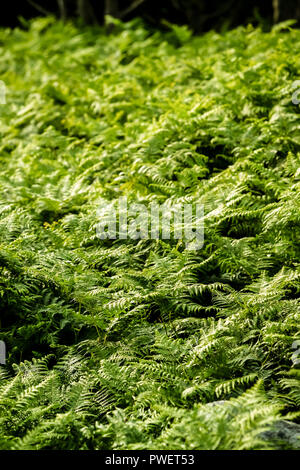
(143, 344)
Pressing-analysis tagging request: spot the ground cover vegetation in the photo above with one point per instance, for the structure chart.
(143, 344)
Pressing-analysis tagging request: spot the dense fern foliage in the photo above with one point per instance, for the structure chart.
(143, 344)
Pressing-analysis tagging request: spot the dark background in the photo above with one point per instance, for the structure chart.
(200, 15)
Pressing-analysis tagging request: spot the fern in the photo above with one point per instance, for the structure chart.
(143, 344)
